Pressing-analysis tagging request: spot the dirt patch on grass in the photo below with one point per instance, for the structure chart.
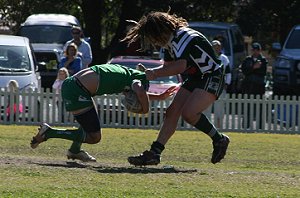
(98, 167)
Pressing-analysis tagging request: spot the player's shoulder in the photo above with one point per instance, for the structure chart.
(186, 31)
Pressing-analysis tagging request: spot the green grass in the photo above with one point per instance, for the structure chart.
(256, 165)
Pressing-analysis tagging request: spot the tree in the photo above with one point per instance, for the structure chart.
(268, 19)
(104, 21)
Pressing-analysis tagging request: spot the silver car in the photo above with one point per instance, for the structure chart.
(17, 63)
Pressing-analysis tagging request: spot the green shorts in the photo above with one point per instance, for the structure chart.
(74, 95)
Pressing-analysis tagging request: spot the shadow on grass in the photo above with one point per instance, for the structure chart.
(113, 169)
(143, 170)
(62, 164)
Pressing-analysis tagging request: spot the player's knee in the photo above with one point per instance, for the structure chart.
(96, 138)
(189, 116)
(93, 138)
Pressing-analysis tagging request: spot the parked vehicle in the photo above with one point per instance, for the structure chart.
(288, 115)
(48, 33)
(286, 67)
(17, 63)
(232, 40)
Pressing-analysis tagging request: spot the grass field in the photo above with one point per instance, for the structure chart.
(256, 165)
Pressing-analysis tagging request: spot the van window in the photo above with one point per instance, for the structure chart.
(46, 33)
(294, 40)
(14, 58)
(237, 40)
(216, 33)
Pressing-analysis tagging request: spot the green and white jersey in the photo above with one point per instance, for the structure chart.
(115, 78)
(194, 47)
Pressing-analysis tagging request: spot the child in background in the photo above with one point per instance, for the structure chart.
(62, 74)
(13, 86)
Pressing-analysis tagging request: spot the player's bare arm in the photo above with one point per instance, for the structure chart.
(162, 96)
(168, 69)
(142, 96)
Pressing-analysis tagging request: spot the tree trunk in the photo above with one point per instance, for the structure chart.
(92, 13)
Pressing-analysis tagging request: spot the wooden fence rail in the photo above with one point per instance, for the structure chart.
(242, 113)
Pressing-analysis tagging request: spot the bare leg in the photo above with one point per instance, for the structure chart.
(172, 115)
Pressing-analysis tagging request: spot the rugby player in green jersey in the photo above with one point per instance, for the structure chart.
(189, 53)
(77, 94)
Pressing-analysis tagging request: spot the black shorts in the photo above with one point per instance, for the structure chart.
(89, 121)
(212, 83)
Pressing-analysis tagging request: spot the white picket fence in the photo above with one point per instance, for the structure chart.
(277, 114)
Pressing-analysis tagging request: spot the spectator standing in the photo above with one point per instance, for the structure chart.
(71, 60)
(219, 104)
(84, 48)
(254, 67)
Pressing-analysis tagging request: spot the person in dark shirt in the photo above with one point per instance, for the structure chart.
(254, 68)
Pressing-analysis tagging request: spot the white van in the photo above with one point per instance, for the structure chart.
(48, 33)
(17, 63)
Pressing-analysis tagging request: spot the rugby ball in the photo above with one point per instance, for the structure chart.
(131, 102)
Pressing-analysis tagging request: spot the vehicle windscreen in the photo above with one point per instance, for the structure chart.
(46, 33)
(14, 59)
(294, 40)
(215, 33)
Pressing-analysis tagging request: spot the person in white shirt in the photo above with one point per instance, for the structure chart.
(219, 104)
(84, 48)
(62, 74)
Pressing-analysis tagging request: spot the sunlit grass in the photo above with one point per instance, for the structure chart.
(256, 165)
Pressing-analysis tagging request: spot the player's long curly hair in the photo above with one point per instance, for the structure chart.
(155, 29)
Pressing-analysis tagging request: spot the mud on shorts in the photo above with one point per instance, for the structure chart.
(74, 95)
(212, 83)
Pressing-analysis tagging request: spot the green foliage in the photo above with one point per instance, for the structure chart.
(257, 165)
(268, 19)
(14, 12)
(104, 21)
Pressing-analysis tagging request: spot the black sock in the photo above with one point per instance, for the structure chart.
(207, 127)
(157, 147)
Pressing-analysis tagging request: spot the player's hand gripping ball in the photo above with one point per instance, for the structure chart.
(131, 102)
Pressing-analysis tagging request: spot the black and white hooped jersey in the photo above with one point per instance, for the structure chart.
(194, 47)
